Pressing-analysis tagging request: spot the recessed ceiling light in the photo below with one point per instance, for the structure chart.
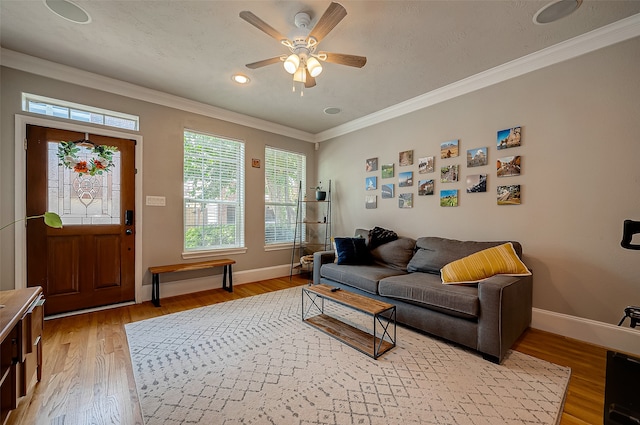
(555, 10)
(240, 78)
(68, 10)
(332, 110)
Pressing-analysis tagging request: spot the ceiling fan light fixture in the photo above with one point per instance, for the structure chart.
(302, 61)
(292, 63)
(314, 67)
(300, 76)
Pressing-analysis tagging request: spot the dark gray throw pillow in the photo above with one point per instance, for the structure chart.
(352, 251)
(379, 236)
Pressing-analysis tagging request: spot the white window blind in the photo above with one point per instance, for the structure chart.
(283, 172)
(213, 192)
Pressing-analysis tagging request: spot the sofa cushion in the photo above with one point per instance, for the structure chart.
(433, 253)
(362, 277)
(352, 251)
(427, 290)
(395, 254)
(501, 259)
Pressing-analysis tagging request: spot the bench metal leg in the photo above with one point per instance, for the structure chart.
(227, 269)
(155, 289)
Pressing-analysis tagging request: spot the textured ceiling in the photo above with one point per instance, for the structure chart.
(191, 48)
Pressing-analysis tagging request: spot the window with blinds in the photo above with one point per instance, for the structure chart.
(283, 172)
(213, 192)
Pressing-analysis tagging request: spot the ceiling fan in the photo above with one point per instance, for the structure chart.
(303, 62)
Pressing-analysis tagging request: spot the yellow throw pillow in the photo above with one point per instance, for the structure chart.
(483, 264)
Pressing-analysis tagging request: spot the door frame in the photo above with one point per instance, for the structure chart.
(21, 122)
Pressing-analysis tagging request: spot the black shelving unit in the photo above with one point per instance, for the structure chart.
(313, 218)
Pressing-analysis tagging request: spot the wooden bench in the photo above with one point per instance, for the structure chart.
(183, 267)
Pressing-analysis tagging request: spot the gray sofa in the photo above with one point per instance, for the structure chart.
(487, 317)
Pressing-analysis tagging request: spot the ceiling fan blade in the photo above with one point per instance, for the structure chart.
(261, 25)
(310, 81)
(331, 17)
(342, 59)
(264, 62)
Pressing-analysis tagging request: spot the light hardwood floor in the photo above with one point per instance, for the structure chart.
(88, 379)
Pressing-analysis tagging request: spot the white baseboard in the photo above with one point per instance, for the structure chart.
(606, 335)
(188, 286)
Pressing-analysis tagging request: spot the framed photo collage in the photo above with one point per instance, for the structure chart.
(398, 180)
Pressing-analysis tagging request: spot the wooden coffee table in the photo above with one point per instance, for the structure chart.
(373, 344)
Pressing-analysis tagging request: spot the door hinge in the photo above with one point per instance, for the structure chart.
(25, 144)
(135, 171)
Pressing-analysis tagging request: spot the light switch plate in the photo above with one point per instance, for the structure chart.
(156, 201)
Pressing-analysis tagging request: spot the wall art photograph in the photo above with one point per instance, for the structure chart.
(405, 179)
(405, 200)
(509, 195)
(449, 173)
(387, 190)
(371, 164)
(449, 198)
(405, 158)
(426, 164)
(477, 183)
(425, 187)
(509, 138)
(387, 171)
(508, 166)
(371, 183)
(449, 149)
(371, 202)
(477, 157)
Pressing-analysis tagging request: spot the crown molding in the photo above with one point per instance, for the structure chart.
(45, 68)
(616, 32)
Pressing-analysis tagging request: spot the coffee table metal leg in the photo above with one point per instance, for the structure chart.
(313, 299)
(384, 324)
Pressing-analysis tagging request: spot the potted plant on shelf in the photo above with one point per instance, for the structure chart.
(321, 195)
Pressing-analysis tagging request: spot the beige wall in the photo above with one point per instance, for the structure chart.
(161, 128)
(580, 178)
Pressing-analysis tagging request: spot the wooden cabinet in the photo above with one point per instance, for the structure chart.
(21, 324)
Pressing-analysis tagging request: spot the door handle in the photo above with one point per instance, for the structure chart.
(128, 218)
(128, 232)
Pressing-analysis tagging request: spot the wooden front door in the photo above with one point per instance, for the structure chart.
(90, 262)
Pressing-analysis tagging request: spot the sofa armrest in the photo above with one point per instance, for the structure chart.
(320, 258)
(505, 312)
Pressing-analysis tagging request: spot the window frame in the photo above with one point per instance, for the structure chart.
(271, 240)
(210, 148)
(71, 111)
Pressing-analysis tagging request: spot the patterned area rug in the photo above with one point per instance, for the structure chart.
(253, 361)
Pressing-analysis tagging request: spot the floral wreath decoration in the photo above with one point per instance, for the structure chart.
(101, 163)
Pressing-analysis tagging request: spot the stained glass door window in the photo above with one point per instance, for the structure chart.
(83, 194)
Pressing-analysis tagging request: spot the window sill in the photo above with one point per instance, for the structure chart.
(212, 253)
(278, 247)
